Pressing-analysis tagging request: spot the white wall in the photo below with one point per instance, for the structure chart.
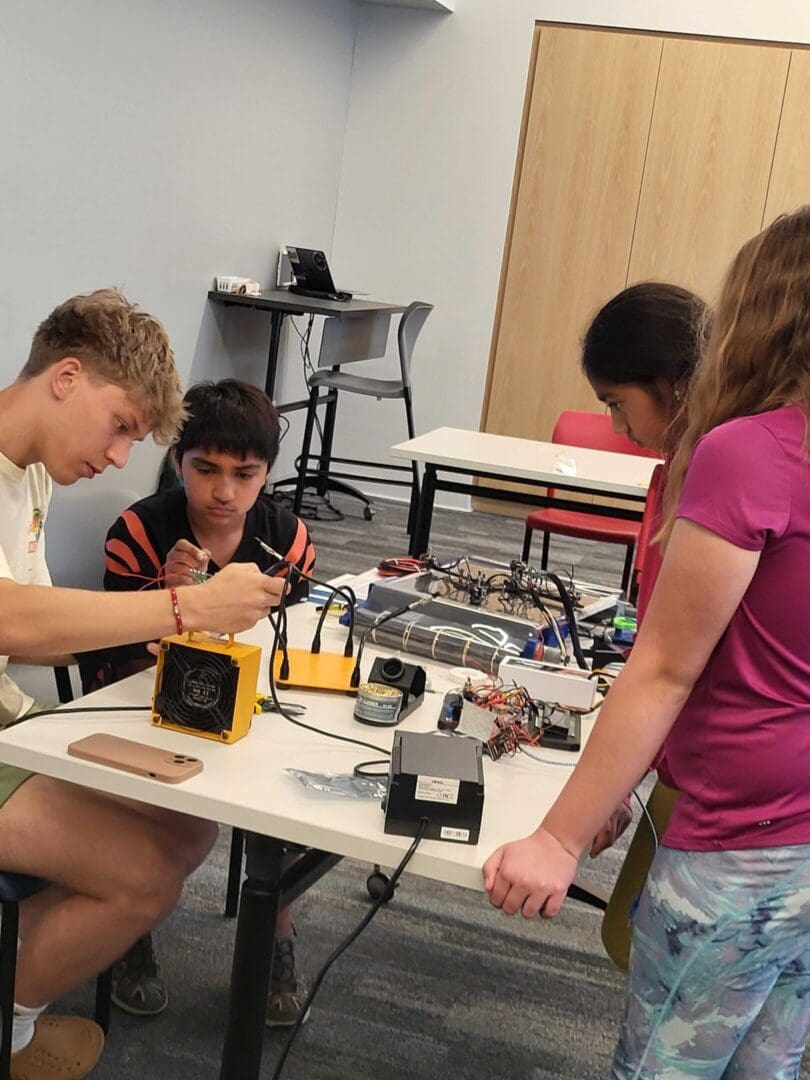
(152, 145)
(434, 118)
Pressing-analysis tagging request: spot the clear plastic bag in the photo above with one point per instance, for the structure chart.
(344, 785)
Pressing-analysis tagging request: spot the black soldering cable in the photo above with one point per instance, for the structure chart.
(381, 620)
(386, 895)
(341, 590)
(279, 708)
(57, 710)
(568, 607)
(315, 647)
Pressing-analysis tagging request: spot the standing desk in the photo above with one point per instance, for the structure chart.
(245, 785)
(473, 454)
(281, 303)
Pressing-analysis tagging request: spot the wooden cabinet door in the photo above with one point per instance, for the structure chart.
(790, 176)
(711, 148)
(574, 212)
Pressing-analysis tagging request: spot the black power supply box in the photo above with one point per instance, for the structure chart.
(438, 777)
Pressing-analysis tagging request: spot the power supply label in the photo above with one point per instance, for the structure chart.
(436, 789)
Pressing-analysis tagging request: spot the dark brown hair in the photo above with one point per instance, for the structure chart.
(231, 417)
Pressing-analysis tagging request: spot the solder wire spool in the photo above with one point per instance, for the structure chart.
(377, 704)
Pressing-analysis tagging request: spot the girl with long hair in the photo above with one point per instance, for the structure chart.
(720, 675)
(638, 354)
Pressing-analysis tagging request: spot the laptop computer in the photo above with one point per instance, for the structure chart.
(312, 275)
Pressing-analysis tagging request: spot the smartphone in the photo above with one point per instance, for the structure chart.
(136, 757)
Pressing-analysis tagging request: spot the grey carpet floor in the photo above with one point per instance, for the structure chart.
(440, 984)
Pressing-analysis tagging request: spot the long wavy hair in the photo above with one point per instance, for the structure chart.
(757, 356)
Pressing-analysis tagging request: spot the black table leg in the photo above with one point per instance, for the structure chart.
(325, 458)
(276, 320)
(253, 958)
(421, 534)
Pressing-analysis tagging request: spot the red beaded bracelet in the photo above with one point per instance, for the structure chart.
(178, 618)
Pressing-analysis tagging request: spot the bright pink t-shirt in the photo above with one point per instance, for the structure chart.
(740, 750)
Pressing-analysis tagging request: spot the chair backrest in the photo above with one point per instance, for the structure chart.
(594, 431)
(77, 523)
(650, 523)
(410, 326)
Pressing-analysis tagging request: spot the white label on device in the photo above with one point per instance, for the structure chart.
(455, 834)
(436, 789)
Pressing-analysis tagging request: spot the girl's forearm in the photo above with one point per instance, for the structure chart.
(639, 711)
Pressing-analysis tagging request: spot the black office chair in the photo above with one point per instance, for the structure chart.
(15, 888)
(324, 479)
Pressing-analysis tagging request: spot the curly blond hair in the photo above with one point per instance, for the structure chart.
(120, 344)
(758, 354)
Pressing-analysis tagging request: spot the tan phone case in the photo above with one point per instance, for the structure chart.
(136, 757)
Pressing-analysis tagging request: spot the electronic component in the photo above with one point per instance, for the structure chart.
(438, 778)
(563, 732)
(205, 686)
(568, 687)
(311, 669)
(476, 612)
(314, 671)
(451, 710)
(409, 678)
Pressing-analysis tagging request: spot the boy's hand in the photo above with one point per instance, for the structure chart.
(234, 599)
(181, 560)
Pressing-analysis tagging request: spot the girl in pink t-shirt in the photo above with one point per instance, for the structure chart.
(638, 354)
(720, 673)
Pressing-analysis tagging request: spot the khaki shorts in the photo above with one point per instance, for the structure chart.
(10, 776)
(10, 779)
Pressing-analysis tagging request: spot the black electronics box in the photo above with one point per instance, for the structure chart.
(438, 777)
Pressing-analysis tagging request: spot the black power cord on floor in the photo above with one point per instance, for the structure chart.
(385, 896)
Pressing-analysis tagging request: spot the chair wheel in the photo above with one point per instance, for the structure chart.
(376, 884)
(368, 512)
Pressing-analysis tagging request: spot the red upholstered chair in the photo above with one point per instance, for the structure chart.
(593, 431)
(649, 526)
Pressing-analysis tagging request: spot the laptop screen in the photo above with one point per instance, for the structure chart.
(311, 269)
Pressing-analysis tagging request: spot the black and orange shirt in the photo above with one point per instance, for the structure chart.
(140, 540)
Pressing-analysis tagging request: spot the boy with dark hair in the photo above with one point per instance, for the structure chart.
(223, 454)
(100, 377)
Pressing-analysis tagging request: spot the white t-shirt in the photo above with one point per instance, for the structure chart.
(25, 495)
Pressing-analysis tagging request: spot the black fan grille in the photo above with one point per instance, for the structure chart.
(197, 689)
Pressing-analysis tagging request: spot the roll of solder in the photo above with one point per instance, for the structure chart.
(378, 704)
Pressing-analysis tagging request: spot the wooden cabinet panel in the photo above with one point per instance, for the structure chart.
(790, 176)
(711, 148)
(574, 213)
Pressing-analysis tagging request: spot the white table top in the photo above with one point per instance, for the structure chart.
(503, 455)
(245, 784)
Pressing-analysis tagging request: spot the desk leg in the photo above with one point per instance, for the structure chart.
(276, 321)
(253, 958)
(421, 534)
(325, 459)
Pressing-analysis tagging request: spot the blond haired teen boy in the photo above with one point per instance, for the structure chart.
(100, 376)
